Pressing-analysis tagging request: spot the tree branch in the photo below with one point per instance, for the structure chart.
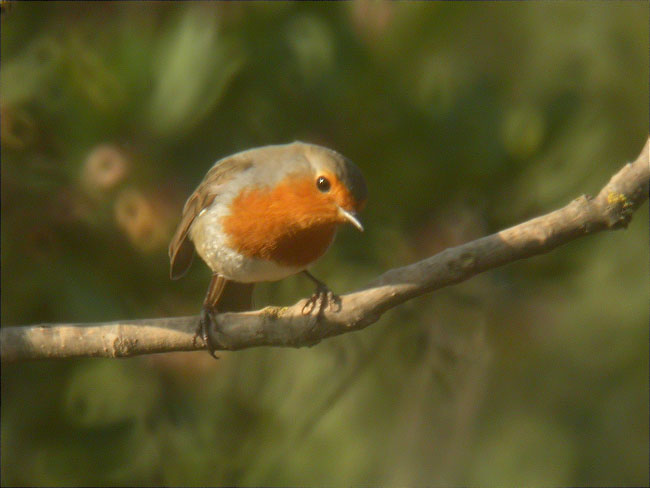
(611, 209)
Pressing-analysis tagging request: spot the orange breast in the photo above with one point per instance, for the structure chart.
(292, 224)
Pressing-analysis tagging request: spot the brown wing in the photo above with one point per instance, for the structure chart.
(181, 251)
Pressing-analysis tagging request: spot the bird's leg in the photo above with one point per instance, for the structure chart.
(323, 296)
(208, 319)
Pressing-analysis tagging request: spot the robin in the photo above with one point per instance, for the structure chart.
(262, 215)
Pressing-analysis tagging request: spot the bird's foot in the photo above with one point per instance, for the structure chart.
(206, 321)
(324, 298)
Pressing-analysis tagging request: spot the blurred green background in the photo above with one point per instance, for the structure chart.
(465, 118)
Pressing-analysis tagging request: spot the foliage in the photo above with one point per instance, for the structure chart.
(465, 118)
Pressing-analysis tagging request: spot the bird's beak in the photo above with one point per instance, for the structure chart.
(352, 218)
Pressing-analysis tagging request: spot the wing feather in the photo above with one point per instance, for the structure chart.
(181, 250)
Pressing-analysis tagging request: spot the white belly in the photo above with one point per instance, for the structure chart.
(210, 243)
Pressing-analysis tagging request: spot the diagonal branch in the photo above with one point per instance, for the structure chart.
(611, 209)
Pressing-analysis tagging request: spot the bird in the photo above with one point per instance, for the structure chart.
(264, 214)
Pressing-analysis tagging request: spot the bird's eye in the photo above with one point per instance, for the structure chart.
(323, 184)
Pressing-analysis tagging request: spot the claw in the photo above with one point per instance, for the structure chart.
(203, 331)
(325, 299)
